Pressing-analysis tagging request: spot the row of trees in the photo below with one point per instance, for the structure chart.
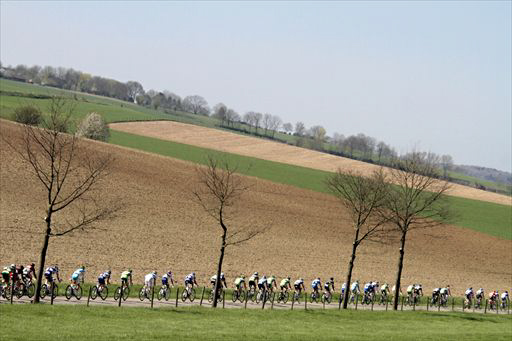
(358, 146)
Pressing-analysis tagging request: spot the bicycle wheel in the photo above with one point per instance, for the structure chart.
(94, 292)
(253, 296)
(69, 292)
(241, 296)
(55, 292)
(210, 297)
(117, 293)
(234, 297)
(296, 297)
(78, 292)
(44, 290)
(258, 297)
(19, 291)
(103, 293)
(192, 295)
(160, 293)
(328, 299)
(7, 292)
(286, 296)
(31, 289)
(312, 297)
(184, 295)
(142, 294)
(126, 293)
(167, 293)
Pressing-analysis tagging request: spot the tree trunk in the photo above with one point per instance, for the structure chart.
(219, 266)
(399, 273)
(349, 272)
(42, 259)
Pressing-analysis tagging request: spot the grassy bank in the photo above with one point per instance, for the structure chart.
(79, 322)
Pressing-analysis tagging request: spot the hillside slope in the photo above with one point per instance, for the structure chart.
(161, 227)
(269, 150)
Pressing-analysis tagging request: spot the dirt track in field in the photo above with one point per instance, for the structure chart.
(161, 227)
(274, 151)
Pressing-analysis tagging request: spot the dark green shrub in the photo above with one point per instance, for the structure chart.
(28, 115)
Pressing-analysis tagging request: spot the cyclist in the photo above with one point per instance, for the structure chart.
(239, 282)
(299, 286)
(213, 280)
(418, 291)
(125, 275)
(479, 296)
(48, 274)
(271, 283)
(253, 281)
(469, 295)
(493, 297)
(435, 295)
(6, 275)
(190, 279)
(166, 278)
(393, 290)
(354, 289)
(367, 289)
(315, 285)
(262, 283)
(410, 291)
(78, 276)
(343, 288)
(149, 280)
(104, 279)
(18, 275)
(444, 294)
(285, 284)
(29, 272)
(384, 291)
(327, 286)
(504, 299)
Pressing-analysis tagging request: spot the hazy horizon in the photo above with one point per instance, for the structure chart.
(428, 75)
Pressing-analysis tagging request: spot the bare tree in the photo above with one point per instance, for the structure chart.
(134, 89)
(364, 198)
(70, 174)
(300, 129)
(196, 104)
(218, 192)
(275, 123)
(416, 200)
(267, 122)
(288, 127)
(447, 164)
(256, 120)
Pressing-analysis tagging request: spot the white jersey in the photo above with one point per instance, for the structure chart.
(504, 296)
(150, 278)
(190, 278)
(354, 286)
(344, 286)
(262, 280)
(298, 282)
(469, 292)
(480, 292)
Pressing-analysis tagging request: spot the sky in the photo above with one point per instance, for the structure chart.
(433, 76)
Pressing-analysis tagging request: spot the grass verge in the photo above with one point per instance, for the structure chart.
(79, 322)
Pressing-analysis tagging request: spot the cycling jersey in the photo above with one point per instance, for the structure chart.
(150, 278)
(253, 278)
(367, 287)
(410, 288)
(284, 282)
(444, 290)
(384, 288)
(190, 278)
(480, 292)
(213, 279)
(262, 281)
(78, 274)
(50, 271)
(125, 275)
(315, 283)
(298, 283)
(270, 281)
(504, 296)
(354, 287)
(469, 292)
(239, 281)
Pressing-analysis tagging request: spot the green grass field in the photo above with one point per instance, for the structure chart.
(490, 218)
(26, 322)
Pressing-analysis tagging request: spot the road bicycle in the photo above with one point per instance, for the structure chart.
(124, 289)
(383, 298)
(189, 293)
(314, 297)
(101, 291)
(238, 294)
(478, 302)
(296, 296)
(73, 290)
(468, 302)
(434, 300)
(251, 294)
(164, 292)
(45, 290)
(220, 296)
(326, 297)
(283, 296)
(145, 292)
(261, 296)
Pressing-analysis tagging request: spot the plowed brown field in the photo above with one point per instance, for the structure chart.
(162, 227)
(273, 151)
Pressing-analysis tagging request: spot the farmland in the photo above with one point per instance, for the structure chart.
(161, 227)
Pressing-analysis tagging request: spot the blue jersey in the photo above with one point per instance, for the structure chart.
(50, 271)
(315, 283)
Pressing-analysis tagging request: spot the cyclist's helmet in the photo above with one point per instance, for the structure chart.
(288, 278)
(32, 265)
(470, 288)
(264, 276)
(109, 272)
(242, 276)
(169, 272)
(302, 279)
(194, 274)
(482, 289)
(318, 278)
(13, 266)
(332, 279)
(154, 272)
(130, 270)
(221, 275)
(255, 274)
(21, 267)
(273, 277)
(56, 268)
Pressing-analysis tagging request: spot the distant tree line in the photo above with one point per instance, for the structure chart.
(359, 147)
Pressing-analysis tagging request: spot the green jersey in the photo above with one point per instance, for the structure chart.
(239, 281)
(270, 281)
(285, 282)
(126, 274)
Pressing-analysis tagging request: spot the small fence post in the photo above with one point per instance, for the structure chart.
(339, 303)
(402, 305)
(12, 288)
(463, 305)
(121, 293)
(263, 299)
(202, 295)
(272, 301)
(305, 300)
(223, 298)
(453, 303)
(414, 304)
(323, 303)
(387, 303)
(52, 287)
(293, 300)
(246, 298)
(177, 295)
(152, 294)
(89, 296)
(485, 309)
(428, 303)
(357, 299)
(439, 303)
(372, 304)
(497, 305)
